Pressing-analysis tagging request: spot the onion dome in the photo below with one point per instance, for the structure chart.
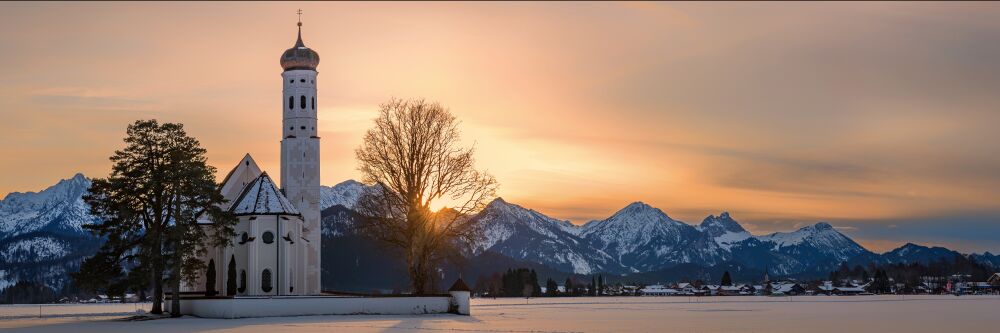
(299, 56)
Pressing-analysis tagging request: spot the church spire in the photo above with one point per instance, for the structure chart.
(299, 42)
(299, 56)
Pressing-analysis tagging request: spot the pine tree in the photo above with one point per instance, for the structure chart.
(536, 289)
(593, 286)
(231, 276)
(159, 185)
(551, 288)
(210, 279)
(726, 279)
(570, 290)
(600, 284)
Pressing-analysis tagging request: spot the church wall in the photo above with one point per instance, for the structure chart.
(247, 307)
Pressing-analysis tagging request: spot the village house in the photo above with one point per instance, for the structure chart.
(658, 290)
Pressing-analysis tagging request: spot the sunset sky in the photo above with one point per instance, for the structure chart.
(880, 118)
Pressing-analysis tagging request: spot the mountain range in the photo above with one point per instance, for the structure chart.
(42, 239)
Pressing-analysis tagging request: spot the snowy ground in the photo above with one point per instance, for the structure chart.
(633, 314)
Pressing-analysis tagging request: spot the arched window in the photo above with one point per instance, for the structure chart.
(268, 237)
(243, 281)
(265, 281)
(291, 102)
(314, 102)
(302, 102)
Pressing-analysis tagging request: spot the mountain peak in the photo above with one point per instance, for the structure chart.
(349, 182)
(823, 226)
(346, 193)
(640, 207)
(724, 230)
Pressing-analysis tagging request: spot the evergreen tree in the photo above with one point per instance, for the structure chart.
(536, 289)
(231, 276)
(24, 292)
(551, 288)
(210, 279)
(570, 290)
(159, 185)
(593, 286)
(726, 279)
(102, 274)
(600, 284)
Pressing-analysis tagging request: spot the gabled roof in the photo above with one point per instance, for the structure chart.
(261, 197)
(459, 286)
(244, 173)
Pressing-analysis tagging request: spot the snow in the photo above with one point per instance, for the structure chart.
(59, 206)
(345, 194)
(262, 197)
(727, 240)
(34, 250)
(820, 314)
(631, 227)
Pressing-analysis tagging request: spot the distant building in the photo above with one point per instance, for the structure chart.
(658, 290)
(994, 280)
(786, 288)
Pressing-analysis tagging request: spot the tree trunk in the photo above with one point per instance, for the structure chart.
(418, 274)
(175, 284)
(156, 275)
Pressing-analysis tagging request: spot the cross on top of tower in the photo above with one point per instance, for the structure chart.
(300, 16)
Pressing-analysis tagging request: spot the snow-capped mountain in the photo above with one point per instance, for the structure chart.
(644, 238)
(58, 209)
(821, 238)
(41, 233)
(811, 249)
(345, 194)
(528, 235)
(724, 230)
(42, 239)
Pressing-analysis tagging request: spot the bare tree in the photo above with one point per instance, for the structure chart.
(413, 156)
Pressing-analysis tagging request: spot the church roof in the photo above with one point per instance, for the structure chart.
(262, 197)
(244, 173)
(459, 286)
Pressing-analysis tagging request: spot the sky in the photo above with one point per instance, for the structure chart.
(879, 118)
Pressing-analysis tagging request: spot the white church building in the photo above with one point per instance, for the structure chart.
(276, 250)
(272, 266)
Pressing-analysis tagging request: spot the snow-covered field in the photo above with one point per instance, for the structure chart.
(634, 314)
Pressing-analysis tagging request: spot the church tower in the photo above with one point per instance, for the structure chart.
(300, 150)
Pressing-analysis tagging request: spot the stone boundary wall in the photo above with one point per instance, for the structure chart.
(281, 306)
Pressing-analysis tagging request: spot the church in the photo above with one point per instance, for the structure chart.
(276, 250)
(272, 266)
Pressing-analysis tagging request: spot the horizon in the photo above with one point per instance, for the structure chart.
(692, 224)
(882, 128)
